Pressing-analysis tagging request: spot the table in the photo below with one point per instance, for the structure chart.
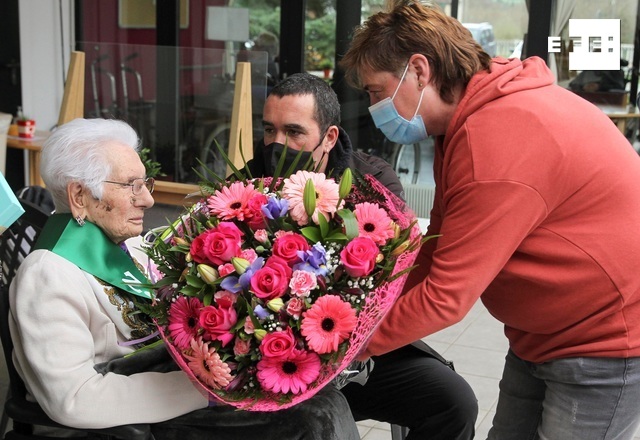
(620, 114)
(33, 147)
(172, 193)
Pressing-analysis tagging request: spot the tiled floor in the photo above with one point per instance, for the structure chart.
(477, 347)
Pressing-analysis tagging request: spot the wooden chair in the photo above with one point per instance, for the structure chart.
(15, 244)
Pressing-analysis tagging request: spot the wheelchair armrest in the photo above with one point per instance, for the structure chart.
(23, 411)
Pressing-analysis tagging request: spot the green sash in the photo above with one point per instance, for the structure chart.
(91, 250)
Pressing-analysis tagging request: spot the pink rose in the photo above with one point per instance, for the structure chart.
(295, 306)
(261, 235)
(302, 282)
(255, 218)
(272, 280)
(240, 347)
(359, 256)
(217, 322)
(197, 249)
(222, 243)
(278, 344)
(287, 247)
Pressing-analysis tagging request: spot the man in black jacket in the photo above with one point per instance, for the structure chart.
(412, 386)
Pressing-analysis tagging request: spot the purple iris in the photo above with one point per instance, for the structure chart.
(234, 284)
(275, 208)
(261, 312)
(314, 260)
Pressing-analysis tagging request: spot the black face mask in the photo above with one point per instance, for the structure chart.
(273, 152)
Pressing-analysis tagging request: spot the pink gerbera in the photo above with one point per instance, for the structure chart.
(326, 196)
(291, 374)
(206, 364)
(232, 201)
(327, 323)
(184, 315)
(374, 222)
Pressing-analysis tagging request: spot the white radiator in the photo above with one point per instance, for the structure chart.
(420, 198)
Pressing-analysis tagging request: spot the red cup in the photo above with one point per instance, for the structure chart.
(26, 128)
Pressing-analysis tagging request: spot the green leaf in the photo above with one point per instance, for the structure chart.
(189, 290)
(311, 233)
(244, 160)
(324, 225)
(194, 281)
(350, 223)
(295, 163)
(336, 236)
(278, 171)
(224, 155)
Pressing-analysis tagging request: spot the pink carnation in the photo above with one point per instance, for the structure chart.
(261, 235)
(302, 283)
(248, 326)
(295, 306)
(241, 347)
(249, 254)
(225, 269)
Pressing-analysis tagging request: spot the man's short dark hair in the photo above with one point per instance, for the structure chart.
(327, 111)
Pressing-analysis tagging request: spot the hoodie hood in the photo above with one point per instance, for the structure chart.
(340, 155)
(506, 77)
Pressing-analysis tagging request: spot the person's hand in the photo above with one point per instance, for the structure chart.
(357, 371)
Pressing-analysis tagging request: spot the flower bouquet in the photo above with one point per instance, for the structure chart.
(270, 288)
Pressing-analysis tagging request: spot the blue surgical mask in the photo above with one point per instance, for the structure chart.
(395, 127)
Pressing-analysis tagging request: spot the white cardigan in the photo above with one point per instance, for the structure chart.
(63, 322)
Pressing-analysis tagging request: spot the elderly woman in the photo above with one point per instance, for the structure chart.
(74, 297)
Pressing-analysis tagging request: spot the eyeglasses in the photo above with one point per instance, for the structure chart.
(137, 184)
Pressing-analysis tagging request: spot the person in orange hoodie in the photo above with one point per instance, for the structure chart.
(538, 211)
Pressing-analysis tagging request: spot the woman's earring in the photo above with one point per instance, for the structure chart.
(420, 85)
(79, 220)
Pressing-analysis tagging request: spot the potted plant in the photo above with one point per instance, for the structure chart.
(152, 167)
(26, 125)
(326, 67)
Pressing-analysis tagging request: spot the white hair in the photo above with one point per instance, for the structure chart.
(76, 152)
